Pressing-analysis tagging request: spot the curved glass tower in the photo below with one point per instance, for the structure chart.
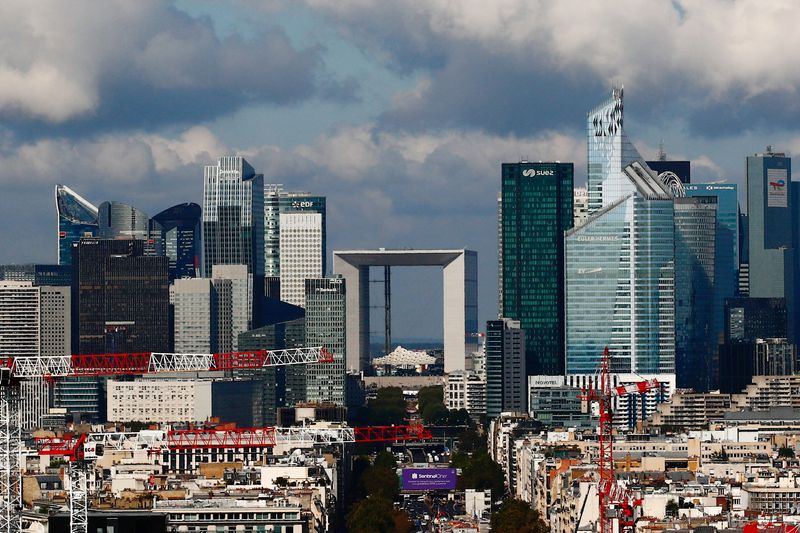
(180, 234)
(76, 218)
(117, 220)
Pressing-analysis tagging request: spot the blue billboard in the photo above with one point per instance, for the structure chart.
(429, 479)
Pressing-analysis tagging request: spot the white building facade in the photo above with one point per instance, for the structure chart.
(159, 400)
(300, 254)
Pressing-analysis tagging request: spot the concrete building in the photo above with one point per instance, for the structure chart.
(465, 390)
(554, 404)
(688, 410)
(278, 202)
(460, 298)
(241, 298)
(325, 305)
(159, 400)
(301, 253)
(506, 376)
(34, 321)
(195, 304)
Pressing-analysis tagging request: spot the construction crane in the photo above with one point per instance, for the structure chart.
(82, 450)
(14, 370)
(608, 492)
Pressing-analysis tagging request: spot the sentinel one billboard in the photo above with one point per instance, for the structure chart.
(429, 479)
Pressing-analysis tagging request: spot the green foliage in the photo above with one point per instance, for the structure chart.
(387, 408)
(672, 508)
(516, 516)
(381, 481)
(372, 515)
(385, 459)
(429, 395)
(786, 452)
(470, 441)
(479, 472)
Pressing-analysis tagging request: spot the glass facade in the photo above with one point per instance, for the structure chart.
(506, 379)
(726, 255)
(695, 247)
(620, 265)
(535, 210)
(771, 232)
(117, 220)
(609, 151)
(277, 202)
(76, 218)
(233, 216)
(180, 234)
(325, 326)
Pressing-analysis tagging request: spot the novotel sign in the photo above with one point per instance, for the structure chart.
(429, 478)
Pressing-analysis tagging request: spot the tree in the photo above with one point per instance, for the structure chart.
(479, 472)
(434, 413)
(387, 408)
(372, 515)
(785, 451)
(385, 459)
(672, 508)
(470, 441)
(516, 516)
(428, 395)
(381, 481)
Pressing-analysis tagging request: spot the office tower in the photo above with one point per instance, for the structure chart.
(120, 300)
(695, 247)
(76, 218)
(195, 323)
(277, 202)
(241, 306)
(34, 321)
(620, 265)
(506, 376)
(748, 319)
(726, 268)
(325, 326)
(536, 209)
(763, 357)
(51, 275)
(180, 235)
(770, 232)
(580, 206)
(233, 216)
(281, 386)
(301, 254)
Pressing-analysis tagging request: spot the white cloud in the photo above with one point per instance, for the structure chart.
(718, 45)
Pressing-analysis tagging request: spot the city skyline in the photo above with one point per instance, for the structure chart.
(361, 112)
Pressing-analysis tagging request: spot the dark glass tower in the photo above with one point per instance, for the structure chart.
(180, 234)
(535, 210)
(118, 220)
(76, 218)
(120, 304)
(695, 247)
(506, 379)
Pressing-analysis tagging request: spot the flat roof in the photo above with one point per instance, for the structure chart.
(401, 257)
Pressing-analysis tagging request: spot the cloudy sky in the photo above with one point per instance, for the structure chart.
(400, 112)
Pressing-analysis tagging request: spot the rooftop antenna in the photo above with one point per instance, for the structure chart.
(662, 155)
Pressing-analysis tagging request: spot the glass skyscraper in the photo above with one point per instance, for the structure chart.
(325, 326)
(180, 234)
(695, 247)
(118, 220)
(620, 265)
(726, 257)
(535, 210)
(771, 232)
(233, 216)
(506, 379)
(76, 218)
(278, 202)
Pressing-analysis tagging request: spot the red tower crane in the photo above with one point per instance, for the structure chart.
(81, 450)
(607, 490)
(14, 370)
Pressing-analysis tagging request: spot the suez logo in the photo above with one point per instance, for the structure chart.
(530, 172)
